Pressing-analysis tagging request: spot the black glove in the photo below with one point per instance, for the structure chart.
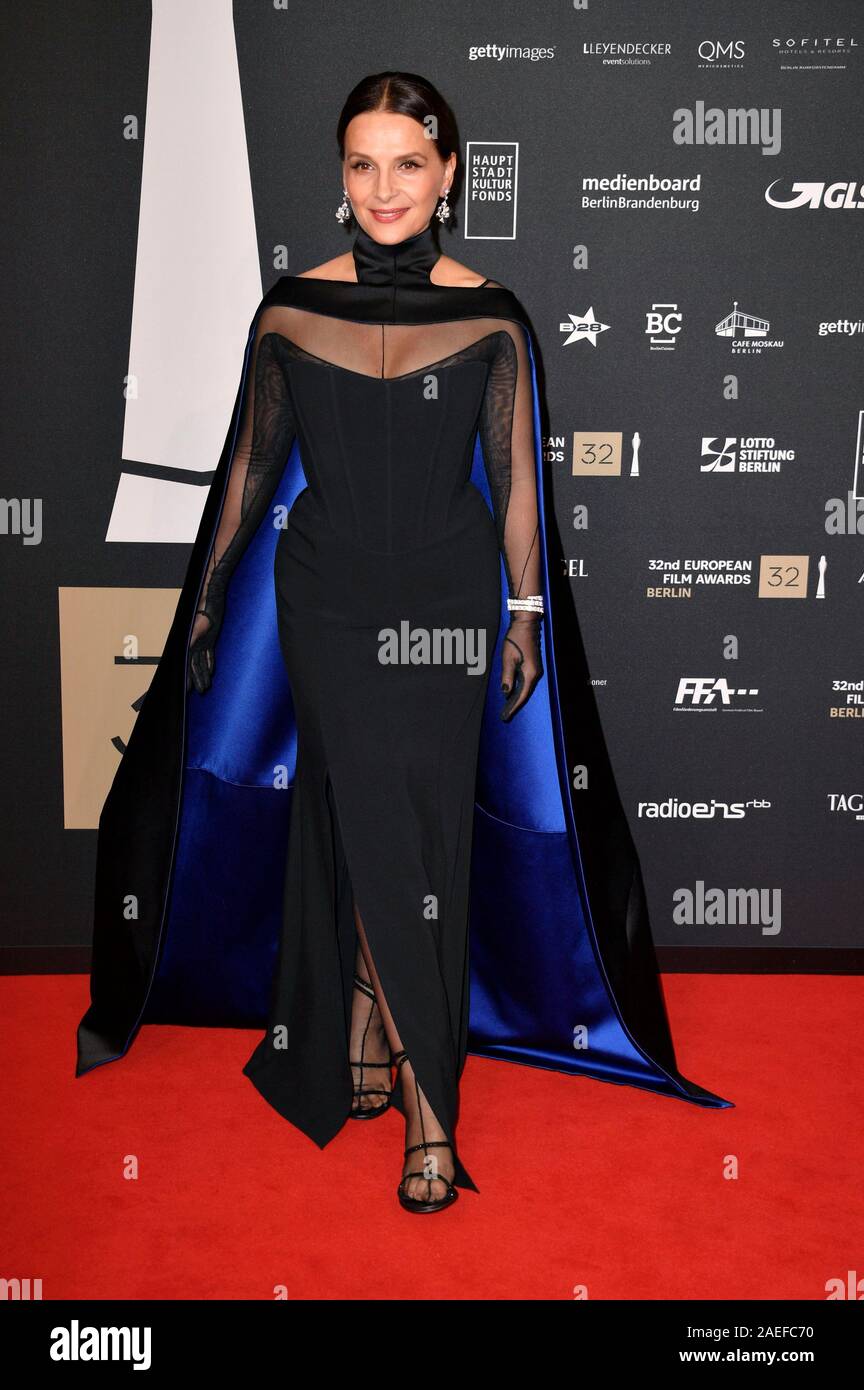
(202, 655)
(521, 663)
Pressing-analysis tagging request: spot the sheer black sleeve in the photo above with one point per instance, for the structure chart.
(507, 437)
(264, 439)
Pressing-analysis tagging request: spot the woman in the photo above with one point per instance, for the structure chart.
(384, 365)
(390, 537)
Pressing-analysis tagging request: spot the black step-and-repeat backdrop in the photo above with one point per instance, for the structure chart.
(674, 191)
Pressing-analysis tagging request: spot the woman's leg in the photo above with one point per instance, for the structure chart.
(368, 1044)
(420, 1123)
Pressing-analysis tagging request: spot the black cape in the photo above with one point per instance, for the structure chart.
(192, 837)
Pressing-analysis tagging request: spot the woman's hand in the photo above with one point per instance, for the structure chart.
(200, 672)
(521, 665)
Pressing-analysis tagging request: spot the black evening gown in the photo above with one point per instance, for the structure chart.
(361, 638)
(388, 595)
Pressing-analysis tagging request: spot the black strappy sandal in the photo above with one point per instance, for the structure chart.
(370, 1112)
(416, 1204)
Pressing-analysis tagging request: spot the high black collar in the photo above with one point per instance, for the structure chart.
(404, 294)
(401, 264)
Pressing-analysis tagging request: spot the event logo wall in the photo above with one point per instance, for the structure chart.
(186, 343)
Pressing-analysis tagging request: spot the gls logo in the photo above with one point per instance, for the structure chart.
(701, 691)
(819, 195)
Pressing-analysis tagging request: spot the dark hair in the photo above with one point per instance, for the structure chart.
(405, 94)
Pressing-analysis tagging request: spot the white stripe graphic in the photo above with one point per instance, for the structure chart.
(197, 275)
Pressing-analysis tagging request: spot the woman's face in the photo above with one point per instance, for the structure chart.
(393, 173)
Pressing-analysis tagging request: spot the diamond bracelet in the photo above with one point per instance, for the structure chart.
(532, 603)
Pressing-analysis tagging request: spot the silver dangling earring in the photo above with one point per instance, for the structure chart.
(444, 210)
(343, 212)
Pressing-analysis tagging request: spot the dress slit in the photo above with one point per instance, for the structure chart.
(331, 864)
(442, 1106)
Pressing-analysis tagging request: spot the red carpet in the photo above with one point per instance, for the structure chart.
(583, 1183)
